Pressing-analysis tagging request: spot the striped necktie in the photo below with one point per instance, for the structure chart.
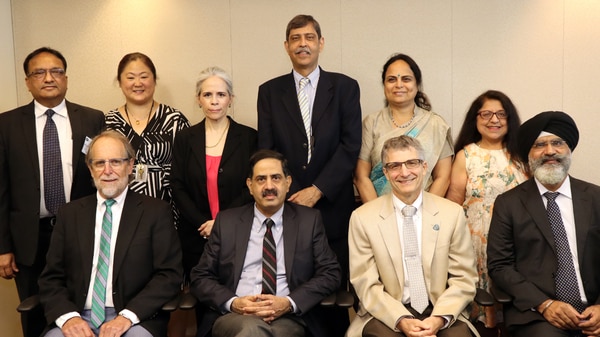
(269, 261)
(101, 279)
(54, 188)
(305, 111)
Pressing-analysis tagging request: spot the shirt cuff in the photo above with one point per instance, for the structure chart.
(61, 320)
(227, 306)
(130, 316)
(294, 307)
(447, 320)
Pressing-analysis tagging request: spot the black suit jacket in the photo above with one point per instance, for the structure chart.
(188, 178)
(311, 267)
(521, 252)
(20, 174)
(147, 260)
(336, 124)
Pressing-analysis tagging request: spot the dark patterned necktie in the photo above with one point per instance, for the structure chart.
(54, 188)
(567, 289)
(269, 261)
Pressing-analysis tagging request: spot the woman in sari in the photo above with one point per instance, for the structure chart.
(407, 112)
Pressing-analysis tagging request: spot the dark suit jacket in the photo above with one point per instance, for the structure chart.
(20, 174)
(147, 266)
(311, 267)
(521, 253)
(188, 178)
(336, 124)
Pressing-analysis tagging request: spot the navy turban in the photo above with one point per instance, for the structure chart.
(555, 122)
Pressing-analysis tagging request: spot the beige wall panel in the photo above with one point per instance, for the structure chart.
(373, 31)
(581, 86)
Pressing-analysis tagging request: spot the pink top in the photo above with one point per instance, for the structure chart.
(212, 172)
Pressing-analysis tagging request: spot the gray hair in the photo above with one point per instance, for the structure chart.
(214, 71)
(402, 142)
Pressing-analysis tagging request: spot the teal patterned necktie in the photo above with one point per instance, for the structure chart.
(100, 281)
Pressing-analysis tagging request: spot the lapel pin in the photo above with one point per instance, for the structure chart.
(436, 227)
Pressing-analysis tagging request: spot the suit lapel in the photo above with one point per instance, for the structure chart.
(130, 219)
(429, 232)
(85, 228)
(198, 141)
(232, 141)
(75, 119)
(30, 143)
(290, 233)
(533, 204)
(391, 237)
(323, 96)
(242, 236)
(582, 210)
(289, 98)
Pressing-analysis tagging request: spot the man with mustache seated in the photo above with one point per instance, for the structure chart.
(543, 245)
(266, 265)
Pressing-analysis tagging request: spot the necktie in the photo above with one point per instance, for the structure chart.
(54, 188)
(567, 289)
(269, 262)
(99, 295)
(305, 111)
(418, 292)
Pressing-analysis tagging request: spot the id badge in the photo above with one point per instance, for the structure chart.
(140, 173)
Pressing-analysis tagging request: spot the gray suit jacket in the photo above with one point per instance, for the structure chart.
(311, 266)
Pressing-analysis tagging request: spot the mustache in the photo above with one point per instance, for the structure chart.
(302, 49)
(556, 157)
(270, 191)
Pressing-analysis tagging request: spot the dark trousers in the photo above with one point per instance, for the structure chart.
(34, 322)
(376, 328)
(542, 328)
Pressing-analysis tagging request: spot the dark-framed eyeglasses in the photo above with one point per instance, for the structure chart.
(38, 74)
(487, 114)
(410, 164)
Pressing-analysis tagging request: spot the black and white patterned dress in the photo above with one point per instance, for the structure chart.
(154, 148)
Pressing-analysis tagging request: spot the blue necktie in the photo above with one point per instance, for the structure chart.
(54, 188)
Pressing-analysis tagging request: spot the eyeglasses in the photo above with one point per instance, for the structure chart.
(487, 114)
(100, 164)
(555, 143)
(38, 74)
(396, 166)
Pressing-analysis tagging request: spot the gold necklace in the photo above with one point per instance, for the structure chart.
(220, 138)
(137, 121)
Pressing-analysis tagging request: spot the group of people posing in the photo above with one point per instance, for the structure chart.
(261, 225)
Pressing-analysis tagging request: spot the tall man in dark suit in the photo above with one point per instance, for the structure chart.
(31, 192)
(544, 238)
(114, 258)
(266, 240)
(313, 118)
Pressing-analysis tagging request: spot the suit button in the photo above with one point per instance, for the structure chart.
(220, 170)
(304, 145)
(304, 167)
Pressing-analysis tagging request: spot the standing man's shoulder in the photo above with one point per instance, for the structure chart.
(276, 82)
(91, 112)
(9, 115)
(337, 78)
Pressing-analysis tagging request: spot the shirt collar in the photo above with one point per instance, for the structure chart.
(119, 199)
(564, 189)
(60, 109)
(399, 204)
(313, 77)
(277, 217)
